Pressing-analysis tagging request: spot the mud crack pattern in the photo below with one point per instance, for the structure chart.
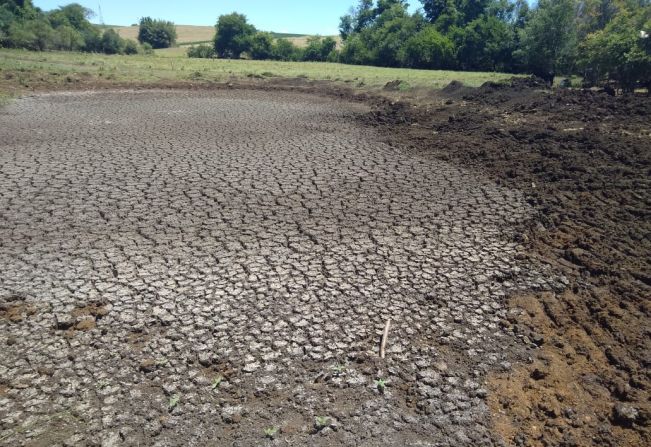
(196, 267)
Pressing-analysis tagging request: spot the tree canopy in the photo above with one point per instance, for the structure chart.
(599, 39)
(157, 33)
(22, 25)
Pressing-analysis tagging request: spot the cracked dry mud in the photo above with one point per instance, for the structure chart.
(192, 268)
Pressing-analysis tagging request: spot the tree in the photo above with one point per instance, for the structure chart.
(446, 13)
(548, 40)
(429, 49)
(157, 33)
(318, 48)
(621, 51)
(485, 44)
(73, 15)
(355, 51)
(69, 38)
(261, 46)
(233, 35)
(284, 50)
(345, 26)
(111, 42)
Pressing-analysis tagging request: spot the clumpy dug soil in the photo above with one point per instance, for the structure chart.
(583, 159)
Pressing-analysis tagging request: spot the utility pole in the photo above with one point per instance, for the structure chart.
(101, 17)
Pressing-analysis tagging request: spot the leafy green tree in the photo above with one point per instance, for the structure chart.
(446, 13)
(261, 46)
(157, 33)
(284, 50)
(389, 40)
(355, 51)
(111, 42)
(548, 42)
(345, 26)
(73, 15)
(68, 38)
(484, 44)
(318, 48)
(429, 49)
(621, 51)
(233, 35)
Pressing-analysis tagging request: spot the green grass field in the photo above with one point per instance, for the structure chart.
(24, 70)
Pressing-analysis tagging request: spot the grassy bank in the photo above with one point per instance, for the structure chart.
(24, 70)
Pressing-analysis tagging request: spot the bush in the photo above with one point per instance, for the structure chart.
(157, 33)
(130, 47)
(147, 49)
(201, 51)
(261, 46)
(68, 38)
(429, 49)
(284, 50)
(355, 51)
(112, 43)
(319, 49)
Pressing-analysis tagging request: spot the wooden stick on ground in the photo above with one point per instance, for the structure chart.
(383, 344)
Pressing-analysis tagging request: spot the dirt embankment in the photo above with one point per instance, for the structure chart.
(583, 159)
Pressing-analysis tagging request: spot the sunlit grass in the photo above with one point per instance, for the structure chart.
(19, 68)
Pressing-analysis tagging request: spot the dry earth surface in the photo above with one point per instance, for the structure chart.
(197, 267)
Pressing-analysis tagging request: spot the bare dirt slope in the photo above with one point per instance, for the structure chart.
(194, 268)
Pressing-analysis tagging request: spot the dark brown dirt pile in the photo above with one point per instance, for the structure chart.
(583, 159)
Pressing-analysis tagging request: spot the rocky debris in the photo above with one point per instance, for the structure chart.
(625, 414)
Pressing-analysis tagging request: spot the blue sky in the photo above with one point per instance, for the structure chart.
(291, 16)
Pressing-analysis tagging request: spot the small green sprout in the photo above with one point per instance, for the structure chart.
(216, 382)
(321, 422)
(338, 370)
(381, 385)
(174, 400)
(271, 432)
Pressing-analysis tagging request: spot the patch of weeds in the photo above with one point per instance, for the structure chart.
(161, 361)
(216, 382)
(174, 401)
(321, 422)
(404, 86)
(268, 74)
(271, 432)
(381, 385)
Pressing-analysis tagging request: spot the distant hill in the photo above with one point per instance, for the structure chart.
(186, 33)
(191, 34)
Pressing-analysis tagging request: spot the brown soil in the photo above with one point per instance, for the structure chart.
(583, 159)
